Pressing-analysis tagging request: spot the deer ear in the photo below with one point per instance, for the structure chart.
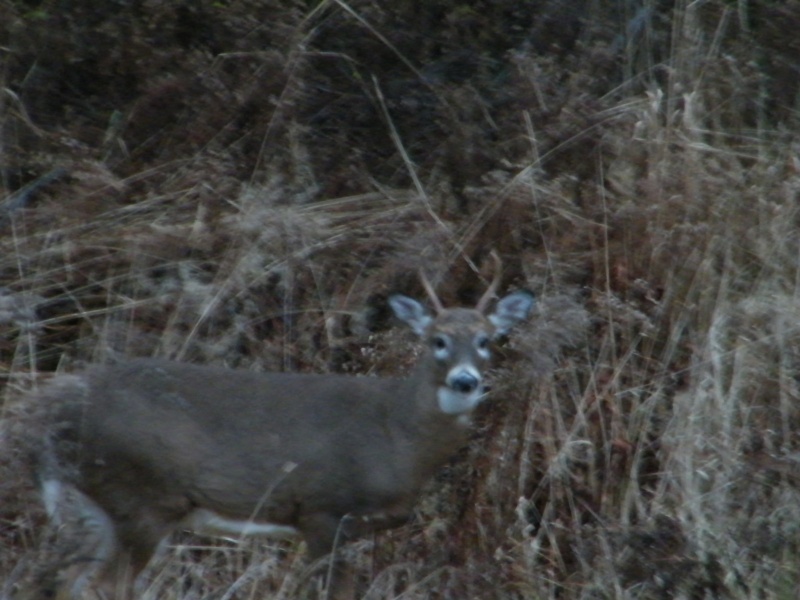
(510, 310)
(410, 312)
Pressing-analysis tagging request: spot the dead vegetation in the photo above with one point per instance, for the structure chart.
(244, 183)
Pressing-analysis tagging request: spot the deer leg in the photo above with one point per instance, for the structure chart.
(84, 542)
(117, 580)
(139, 541)
(325, 534)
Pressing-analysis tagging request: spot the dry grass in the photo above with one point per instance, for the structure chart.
(263, 195)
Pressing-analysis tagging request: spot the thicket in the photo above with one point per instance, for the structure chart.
(245, 182)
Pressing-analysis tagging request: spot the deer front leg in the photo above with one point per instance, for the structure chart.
(325, 534)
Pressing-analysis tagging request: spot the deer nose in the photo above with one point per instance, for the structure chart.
(464, 382)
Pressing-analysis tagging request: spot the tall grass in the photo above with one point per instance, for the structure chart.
(641, 439)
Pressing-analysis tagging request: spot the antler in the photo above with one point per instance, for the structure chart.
(437, 304)
(492, 289)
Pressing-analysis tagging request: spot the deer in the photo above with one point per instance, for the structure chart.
(132, 452)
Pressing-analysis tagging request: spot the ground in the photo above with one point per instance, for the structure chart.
(245, 183)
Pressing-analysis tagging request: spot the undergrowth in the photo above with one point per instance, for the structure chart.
(244, 183)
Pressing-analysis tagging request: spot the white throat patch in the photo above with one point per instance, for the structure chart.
(458, 403)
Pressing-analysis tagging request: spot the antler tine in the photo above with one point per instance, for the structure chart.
(492, 289)
(437, 304)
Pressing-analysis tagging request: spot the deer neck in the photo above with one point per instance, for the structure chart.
(429, 436)
(433, 406)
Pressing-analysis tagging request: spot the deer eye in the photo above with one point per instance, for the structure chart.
(482, 342)
(439, 343)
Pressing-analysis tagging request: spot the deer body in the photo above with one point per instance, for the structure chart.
(149, 446)
(297, 427)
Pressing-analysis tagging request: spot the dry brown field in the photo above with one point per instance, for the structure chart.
(245, 182)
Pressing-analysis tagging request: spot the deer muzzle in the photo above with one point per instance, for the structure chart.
(463, 380)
